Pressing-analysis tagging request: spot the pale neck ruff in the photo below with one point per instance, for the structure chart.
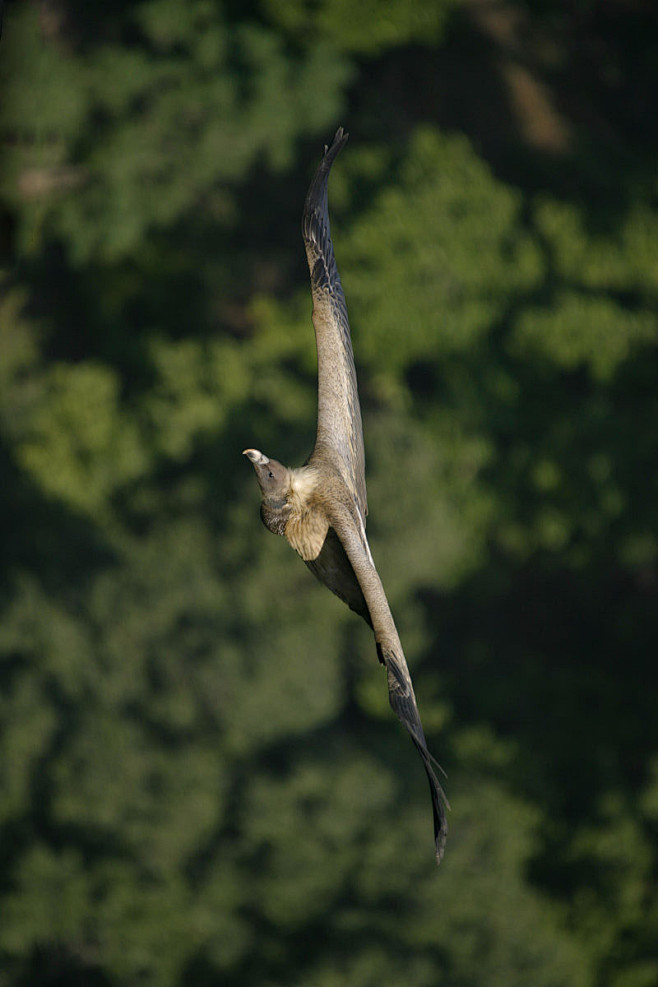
(303, 482)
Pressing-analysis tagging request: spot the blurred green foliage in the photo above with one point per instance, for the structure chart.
(200, 778)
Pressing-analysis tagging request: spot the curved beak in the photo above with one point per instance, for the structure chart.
(256, 457)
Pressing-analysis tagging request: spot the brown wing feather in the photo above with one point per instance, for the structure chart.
(400, 689)
(339, 435)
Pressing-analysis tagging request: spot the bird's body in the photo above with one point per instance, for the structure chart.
(321, 507)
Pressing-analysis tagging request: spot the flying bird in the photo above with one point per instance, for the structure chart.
(321, 507)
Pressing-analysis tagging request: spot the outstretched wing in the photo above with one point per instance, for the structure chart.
(339, 435)
(400, 689)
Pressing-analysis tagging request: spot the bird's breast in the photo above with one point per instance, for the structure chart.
(306, 532)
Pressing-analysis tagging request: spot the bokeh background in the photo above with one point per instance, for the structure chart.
(202, 782)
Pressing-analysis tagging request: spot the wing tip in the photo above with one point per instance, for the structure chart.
(340, 137)
(439, 805)
(331, 151)
(315, 205)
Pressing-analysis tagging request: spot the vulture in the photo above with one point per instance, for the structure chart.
(321, 507)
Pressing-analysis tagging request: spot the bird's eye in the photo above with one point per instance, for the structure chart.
(271, 475)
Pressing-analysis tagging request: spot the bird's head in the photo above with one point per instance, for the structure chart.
(273, 478)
